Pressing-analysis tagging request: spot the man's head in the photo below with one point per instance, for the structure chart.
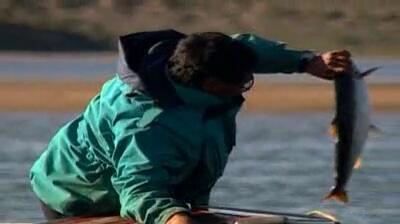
(213, 62)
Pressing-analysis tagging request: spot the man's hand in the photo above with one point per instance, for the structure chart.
(329, 64)
(181, 218)
(199, 218)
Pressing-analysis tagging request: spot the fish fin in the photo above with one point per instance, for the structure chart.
(338, 195)
(333, 129)
(369, 71)
(374, 131)
(358, 163)
(321, 214)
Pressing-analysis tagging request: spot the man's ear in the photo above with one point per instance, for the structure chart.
(219, 88)
(210, 85)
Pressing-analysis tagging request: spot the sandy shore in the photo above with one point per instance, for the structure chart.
(73, 95)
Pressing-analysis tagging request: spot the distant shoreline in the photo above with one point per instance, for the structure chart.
(73, 95)
(367, 28)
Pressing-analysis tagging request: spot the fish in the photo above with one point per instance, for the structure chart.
(350, 127)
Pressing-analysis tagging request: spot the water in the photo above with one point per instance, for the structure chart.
(99, 66)
(281, 163)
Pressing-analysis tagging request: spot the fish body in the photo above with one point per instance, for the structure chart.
(351, 125)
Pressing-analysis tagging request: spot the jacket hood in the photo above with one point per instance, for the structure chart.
(142, 65)
(142, 59)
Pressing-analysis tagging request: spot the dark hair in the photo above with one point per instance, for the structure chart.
(211, 54)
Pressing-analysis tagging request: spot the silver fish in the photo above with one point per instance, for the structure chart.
(350, 126)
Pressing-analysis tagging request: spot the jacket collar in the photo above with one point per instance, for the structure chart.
(197, 98)
(202, 100)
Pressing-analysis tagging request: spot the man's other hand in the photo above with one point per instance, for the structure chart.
(181, 218)
(329, 64)
(199, 218)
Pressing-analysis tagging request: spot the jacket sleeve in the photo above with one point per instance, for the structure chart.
(272, 56)
(145, 162)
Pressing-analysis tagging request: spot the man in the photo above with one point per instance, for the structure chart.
(156, 138)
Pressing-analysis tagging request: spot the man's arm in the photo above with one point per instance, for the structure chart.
(143, 161)
(274, 57)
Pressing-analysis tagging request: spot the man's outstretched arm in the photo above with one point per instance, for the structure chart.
(275, 57)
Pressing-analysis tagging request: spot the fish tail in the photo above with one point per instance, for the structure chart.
(338, 195)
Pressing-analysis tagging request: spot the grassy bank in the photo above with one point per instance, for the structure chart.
(368, 27)
(63, 96)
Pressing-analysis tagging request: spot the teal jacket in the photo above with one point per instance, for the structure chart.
(126, 154)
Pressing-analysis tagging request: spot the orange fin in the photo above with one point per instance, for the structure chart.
(337, 195)
(333, 129)
(358, 163)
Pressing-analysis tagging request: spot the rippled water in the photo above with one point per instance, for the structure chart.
(281, 163)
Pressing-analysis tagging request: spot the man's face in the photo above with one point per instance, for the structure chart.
(220, 88)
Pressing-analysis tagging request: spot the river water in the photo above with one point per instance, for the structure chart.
(89, 66)
(281, 163)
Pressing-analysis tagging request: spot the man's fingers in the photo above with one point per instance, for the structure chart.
(337, 57)
(338, 66)
(343, 53)
(340, 58)
(334, 64)
(339, 63)
(339, 69)
(331, 64)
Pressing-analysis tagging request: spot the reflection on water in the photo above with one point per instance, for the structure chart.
(281, 163)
